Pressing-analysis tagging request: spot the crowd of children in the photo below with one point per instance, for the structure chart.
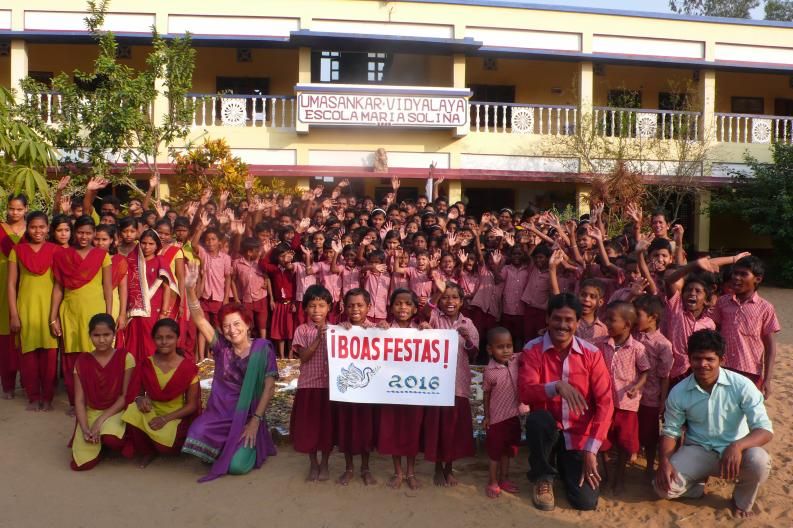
(330, 257)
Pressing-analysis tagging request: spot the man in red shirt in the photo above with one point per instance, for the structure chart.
(567, 385)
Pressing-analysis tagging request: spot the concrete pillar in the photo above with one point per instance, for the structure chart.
(455, 191)
(707, 98)
(458, 81)
(582, 191)
(702, 222)
(19, 63)
(303, 77)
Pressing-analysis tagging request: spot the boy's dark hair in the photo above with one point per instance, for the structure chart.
(565, 300)
(542, 249)
(751, 263)
(356, 292)
(497, 331)
(250, 243)
(594, 283)
(706, 340)
(399, 291)
(317, 292)
(651, 305)
(625, 309)
(705, 279)
(658, 244)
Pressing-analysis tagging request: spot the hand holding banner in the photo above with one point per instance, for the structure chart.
(396, 366)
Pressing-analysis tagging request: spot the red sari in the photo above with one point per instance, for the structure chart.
(177, 386)
(145, 288)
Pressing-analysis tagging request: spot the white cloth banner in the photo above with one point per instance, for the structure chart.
(397, 366)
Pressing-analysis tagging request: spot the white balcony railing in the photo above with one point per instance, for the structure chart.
(515, 118)
(749, 128)
(270, 111)
(640, 123)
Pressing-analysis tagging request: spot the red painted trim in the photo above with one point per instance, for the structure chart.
(311, 171)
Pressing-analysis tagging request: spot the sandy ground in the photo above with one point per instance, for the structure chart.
(38, 489)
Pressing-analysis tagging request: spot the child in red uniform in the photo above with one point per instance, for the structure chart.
(502, 408)
(748, 323)
(282, 283)
(448, 431)
(356, 423)
(250, 284)
(311, 423)
(658, 349)
(399, 431)
(628, 366)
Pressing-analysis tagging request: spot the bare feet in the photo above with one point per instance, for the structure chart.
(413, 482)
(313, 474)
(8, 395)
(323, 474)
(493, 491)
(395, 481)
(439, 479)
(145, 460)
(33, 406)
(737, 512)
(367, 477)
(46, 406)
(345, 478)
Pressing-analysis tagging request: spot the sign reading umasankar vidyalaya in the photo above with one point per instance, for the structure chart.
(394, 106)
(395, 366)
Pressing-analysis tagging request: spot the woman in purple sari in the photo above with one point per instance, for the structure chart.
(232, 433)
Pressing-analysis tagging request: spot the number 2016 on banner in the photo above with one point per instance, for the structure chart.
(414, 383)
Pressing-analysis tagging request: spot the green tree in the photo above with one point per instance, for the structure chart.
(105, 118)
(24, 155)
(720, 8)
(763, 197)
(779, 10)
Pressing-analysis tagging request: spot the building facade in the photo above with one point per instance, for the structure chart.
(497, 95)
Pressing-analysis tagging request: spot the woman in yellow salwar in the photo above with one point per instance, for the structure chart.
(83, 288)
(11, 232)
(101, 383)
(168, 397)
(30, 286)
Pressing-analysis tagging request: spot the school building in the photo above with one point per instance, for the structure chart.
(503, 97)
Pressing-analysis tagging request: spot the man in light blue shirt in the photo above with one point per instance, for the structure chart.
(727, 426)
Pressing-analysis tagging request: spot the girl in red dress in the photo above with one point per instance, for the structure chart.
(448, 431)
(311, 424)
(151, 291)
(356, 423)
(399, 431)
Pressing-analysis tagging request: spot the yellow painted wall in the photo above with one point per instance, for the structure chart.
(649, 80)
(534, 81)
(58, 58)
(280, 65)
(740, 84)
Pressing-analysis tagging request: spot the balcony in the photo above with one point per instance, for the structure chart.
(754, 128)
(515, 118)
(257, 111)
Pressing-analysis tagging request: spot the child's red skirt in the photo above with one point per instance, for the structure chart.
(399, 432)
(503, 439)
(449, 432)
(356, 427)
(282, 323)
(311, 422)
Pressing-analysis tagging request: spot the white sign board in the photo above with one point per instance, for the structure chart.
(395, 366)
(382, 107)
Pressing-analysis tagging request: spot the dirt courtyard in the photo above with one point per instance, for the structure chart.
(38, 489)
